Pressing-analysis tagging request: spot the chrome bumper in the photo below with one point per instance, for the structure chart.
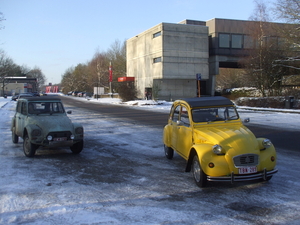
(235, 178)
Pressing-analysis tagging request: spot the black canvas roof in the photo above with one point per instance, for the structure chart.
(208, 101)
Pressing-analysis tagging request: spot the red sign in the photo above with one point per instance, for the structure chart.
(123, 79)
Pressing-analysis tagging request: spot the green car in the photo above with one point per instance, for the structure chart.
(43, 121)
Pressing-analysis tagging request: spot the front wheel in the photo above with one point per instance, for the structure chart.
(15, 138)
(77, 147)
(29, 148)
(169, 152)
(199, 176)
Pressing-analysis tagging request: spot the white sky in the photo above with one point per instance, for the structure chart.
(55, 35)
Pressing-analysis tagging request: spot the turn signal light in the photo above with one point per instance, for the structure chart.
(211, 165)
(272, 158)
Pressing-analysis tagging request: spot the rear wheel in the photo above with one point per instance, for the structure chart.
(29, 148)
(15, 138)
(169, 152)
(77, 147)
(199, 176)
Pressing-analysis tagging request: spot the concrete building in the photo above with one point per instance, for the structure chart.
(166, 58)
(18, 85)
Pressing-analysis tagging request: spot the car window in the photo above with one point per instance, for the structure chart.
(175, 116)
(214, 114)
(184, 116)
(45, 107)
(23, 108)
(19, 107)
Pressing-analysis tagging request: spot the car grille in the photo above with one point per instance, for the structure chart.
(245, 160)
(60, 134)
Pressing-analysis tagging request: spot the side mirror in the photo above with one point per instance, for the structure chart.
(247, 120)
(69, 112)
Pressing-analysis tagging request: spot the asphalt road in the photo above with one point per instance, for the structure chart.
(285, 139)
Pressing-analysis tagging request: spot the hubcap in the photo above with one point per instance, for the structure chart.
(196, 170)
(26, 145)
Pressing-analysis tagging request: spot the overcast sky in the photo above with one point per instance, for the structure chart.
(55, 35)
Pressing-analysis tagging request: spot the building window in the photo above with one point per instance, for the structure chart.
(224, 40)
(157, 34)
(236, 41)
(248, 42)
(157, 59)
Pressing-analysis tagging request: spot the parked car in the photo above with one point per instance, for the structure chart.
(209, 134)
(43, 121)
(16, 97)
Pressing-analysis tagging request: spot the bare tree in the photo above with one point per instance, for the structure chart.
(289, 11)
(262, 67)
(1, 19)
(36, 72)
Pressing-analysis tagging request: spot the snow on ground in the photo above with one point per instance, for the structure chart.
(44, 190)
(287, 118)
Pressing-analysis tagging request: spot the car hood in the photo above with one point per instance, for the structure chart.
(233, 137)
(51, 122)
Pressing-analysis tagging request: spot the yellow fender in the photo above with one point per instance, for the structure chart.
(206, 156)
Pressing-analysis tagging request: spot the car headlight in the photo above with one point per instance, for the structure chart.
(49, 137)
(217, 149)
(266, 143)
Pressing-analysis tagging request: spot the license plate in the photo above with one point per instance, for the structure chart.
(60, 139)
(245, 170)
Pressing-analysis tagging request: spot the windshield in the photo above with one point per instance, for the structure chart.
(214, 114)
(45, 107)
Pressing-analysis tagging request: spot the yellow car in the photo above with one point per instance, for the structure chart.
(209, 134)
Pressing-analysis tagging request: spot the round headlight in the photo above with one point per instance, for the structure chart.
(217, 149)
(49, 138)
(72, 137)
(266, 143)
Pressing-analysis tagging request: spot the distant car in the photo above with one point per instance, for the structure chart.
(14, 97)
(74, 93)
(209, 134)
(42, 121)
(80, 94)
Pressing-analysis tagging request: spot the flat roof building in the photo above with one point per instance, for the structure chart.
(167, 59)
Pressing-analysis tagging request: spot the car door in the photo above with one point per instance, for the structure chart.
(174, 133)
(184, 133)
(20, 117)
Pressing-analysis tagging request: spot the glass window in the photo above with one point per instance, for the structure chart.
(175, 116)
(184, 116)
(157, 34)
(224, 40)
(214, 114)
(248, 42)
(24, 108)
(45, 107)
(236, 41)
(156, 60)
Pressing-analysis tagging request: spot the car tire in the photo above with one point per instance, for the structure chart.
(77, 147)
(29, 148)
(169, 152)
(199, 176)
(15, 138)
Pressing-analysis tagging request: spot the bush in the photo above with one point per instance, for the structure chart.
(127, 91)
